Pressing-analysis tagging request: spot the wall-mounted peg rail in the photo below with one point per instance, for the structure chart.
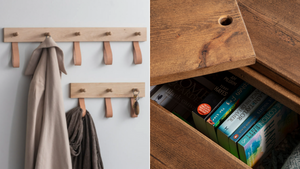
(105, 90)
(77, 35)
(109, 90)
(74, 34)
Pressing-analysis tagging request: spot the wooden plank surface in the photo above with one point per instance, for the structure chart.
(273, 27)
(195, 73)
(99, 90)
(175, 144)
(269, 87)
(156, 164)
(187, 36)
(276, 78)
(69, 34)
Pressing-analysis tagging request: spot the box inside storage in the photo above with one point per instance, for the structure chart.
(189, 89)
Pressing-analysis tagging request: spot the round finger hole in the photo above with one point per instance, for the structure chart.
(225, 20)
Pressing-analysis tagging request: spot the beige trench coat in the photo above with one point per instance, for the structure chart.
(47, 142)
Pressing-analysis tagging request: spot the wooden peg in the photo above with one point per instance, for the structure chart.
(107, 33)
(47, 34)
(108, 90)
(137, 33)
(82, 90)
(137, 54)
(82, 106)
(107, 53)
(16, 34)
(15, 54)
(108, 108)
(132, 112)
(77, 33)
(77, 54)
(135, 90)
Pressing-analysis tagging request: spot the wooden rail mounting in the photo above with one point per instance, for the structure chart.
(108, 91)
(77, 35)
(99, 90)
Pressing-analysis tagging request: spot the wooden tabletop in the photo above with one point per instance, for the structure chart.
(193, 38)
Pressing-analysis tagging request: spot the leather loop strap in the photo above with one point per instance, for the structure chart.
(132, 101)
(15, 54)
(108, 108)
(76, 53)
(82, 106)
(107, 53)
(137, 54)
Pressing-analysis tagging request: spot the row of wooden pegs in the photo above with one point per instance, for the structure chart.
(134, 91)
(77, 35)
(107, 52)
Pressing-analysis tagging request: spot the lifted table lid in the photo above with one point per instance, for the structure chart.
(274, 30)
(197, 37)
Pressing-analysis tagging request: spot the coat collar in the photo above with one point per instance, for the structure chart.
(35, 57)
(47, 43)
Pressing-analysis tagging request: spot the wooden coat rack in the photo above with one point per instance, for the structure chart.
(107, 91)
(77, 35)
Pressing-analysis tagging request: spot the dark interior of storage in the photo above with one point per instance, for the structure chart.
(183, 96)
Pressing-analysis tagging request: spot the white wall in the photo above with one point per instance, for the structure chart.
(124, 141)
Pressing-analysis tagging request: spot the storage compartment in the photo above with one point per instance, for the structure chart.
(179, 46)
(176, 143)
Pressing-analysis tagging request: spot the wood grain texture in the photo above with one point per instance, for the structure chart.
(99, 90)
(273, 27)
(269, 87)
(175, 144)
(69, 34)
(274, 30)
(276, 78)
(195, 73)
(156, 164)
(186, 36)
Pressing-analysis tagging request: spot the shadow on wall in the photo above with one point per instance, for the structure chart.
(6, 62)
(18, 125)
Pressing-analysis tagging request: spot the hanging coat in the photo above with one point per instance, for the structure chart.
(47, 145)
